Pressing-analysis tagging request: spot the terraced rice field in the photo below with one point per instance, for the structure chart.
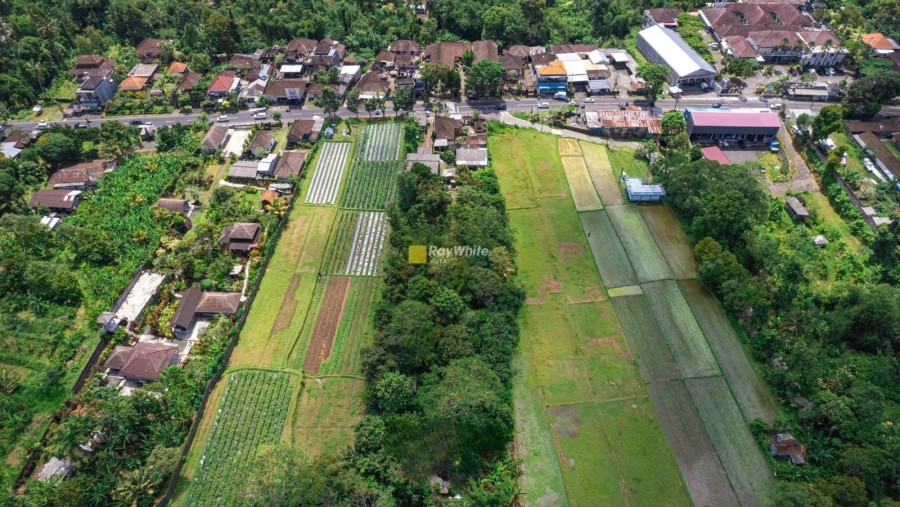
(251, 413)
(328, 174)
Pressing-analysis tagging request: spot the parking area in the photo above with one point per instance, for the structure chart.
(739, 156)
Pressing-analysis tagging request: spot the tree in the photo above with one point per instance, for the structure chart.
(827, 122)
(56, 148)
(137, 486)
(656, 77)
(353, 101)
(276, 115)
(673, 122)
(484, 77)
(380, 102)
(467, 58)
(467, 392)
(328, 101)
(434, 76)
(118, 139)
(404, 100)
(742, 68)
(865, 96)
(370, 106)
(393, 392)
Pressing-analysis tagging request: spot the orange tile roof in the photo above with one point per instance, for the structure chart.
(133, 84)
(556, 68)
(877, 41)
(177, 68)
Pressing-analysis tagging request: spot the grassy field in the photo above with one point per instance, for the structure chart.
(738, 452)
(819, 203)
(324, 415)
(749, 392)
(648, 261)
(601, 173)
(627, 161)
(577, 382)
(583, 193)
(691, 445)
(673, 243)
(610, 256)
(683, 335)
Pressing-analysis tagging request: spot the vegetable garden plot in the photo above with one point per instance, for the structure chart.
(671, 240)
(644, 338)
(356, 328)
(380, 142)
(326, 179)
(356, 244)
(251, 413)
(371, 184)
(580, 185)
(327, 320)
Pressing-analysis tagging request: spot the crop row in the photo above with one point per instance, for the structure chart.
(252, 413)
(371, 185)
(326, 179)
(380, 142)
(355, 330)
(368, 242)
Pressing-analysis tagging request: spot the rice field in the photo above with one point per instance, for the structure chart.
(646, 258)
(645, 339)
(328, 174)
(601, 172)
(609, 254)
(671, 240)
(583, 193)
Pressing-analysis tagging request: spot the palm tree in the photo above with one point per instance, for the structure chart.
(278, 206)
(136, 485)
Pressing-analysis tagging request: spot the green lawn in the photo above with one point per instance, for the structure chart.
(624, 159)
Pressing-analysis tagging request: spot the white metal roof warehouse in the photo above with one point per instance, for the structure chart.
(665, 47)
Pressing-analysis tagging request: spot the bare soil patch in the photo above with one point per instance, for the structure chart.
(548, 285)
(327, 322)
(567, 421)
(592, 293)
(288, 307)
(609, 342)
(566, 251)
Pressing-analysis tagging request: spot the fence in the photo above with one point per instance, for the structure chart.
(235, 333)
(856, 202)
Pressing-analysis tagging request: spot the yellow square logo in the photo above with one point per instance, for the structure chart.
(418, 254)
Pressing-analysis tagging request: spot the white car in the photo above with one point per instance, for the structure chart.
(223, 118)
(589, 100)
(260, 115)
(43, 125)
(775, 107)
(543, 105)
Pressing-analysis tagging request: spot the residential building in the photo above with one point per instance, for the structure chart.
(291, 70)
(373, 84)
(251, 67)
(240, 237)
(513, 67)
(580, 49)
(189, 81)
(144, 362)
(668, 18)
(195, 303)
(348, 76)
(267, 197)
(87, 66)
(551, 77)
(290, 165)
(405, 47)
(150, 49)
(81, 175)
(177, 68)
(472, 157)
(56, 199)
(823, 49)
(224, 83)
(133, 84)
(425, 157)
(96, 90)
(243, 170)
(262, 143)
(631, 122)
(639, 191)
(771, 29)
(265, 168)
(446, 130)
(748, 126)
(174, 205)
(887, 162)
(881, 44)
(665, 47)
(485, 50)
(299, 50)
(214, 140)
(327, 53)
(785, 446)
(302, 131)
(286, 91)
(448, 53)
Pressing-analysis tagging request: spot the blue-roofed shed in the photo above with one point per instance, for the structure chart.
(638, 191)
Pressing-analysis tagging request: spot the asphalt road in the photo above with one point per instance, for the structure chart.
(486, 107)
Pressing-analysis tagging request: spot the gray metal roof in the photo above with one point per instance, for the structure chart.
(683, 60)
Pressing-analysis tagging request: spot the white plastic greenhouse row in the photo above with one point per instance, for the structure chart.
(367, 245)
(382, 142)
(326, 179)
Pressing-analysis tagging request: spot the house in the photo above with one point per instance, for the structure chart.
(290, 165)
(882, 127)
(881, 44)
(298, 50)
(770, 22)
(144, 362)
(224, 83)
(737, 47)
(885, 159)
(576, 71)
(174, 205)
(15, 142)
(785, 446)
(265, 168)
(665, 47)
(177, 68)
(214, 139)
(81, 175)
(286, 90)
(638, 191)
(96, 90)
(372, 84)
(133, 84)
(551, 77)
(150, 49)
(814, 91)
(823, 49)
(251, 67)
(776, 46)
(195, 303)
(795, 209)
(327, 53)
(472, 157)
(715, 154)
(189, 81)
(267, 197)
(446, 130)
(404, 47)
(347, 77)
(243, 170)
(87, 66)
(147, 70)
(485, 50)
(668, 18)
(240, 237)
(748, 126)
(291, 70)
(55, 469)
(262, 143)
(56, 199)
(512, 68)
(447, 53)
(424, 157)
(315, 91)
(631, 122)
(302, 131)
(580, 49)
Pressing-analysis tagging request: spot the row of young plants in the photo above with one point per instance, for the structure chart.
(352, 330)
(371, 184)
(252, 413)
(380, 141)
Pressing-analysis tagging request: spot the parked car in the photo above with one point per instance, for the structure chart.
(623, 104)
(829, 71)
(589, 100)
(560, 96)
(43, 125)
(714, 45)
(223, 118)
(717, 105)
(543, 105)
(136, 122)
(775, 106)
(501, 106)
(260, 115)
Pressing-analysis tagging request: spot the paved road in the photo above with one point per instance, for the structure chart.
(308, 111)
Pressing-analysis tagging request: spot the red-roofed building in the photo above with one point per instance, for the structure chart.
(226, 81)
(880, 44)
(748, 126)
(715, 154)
